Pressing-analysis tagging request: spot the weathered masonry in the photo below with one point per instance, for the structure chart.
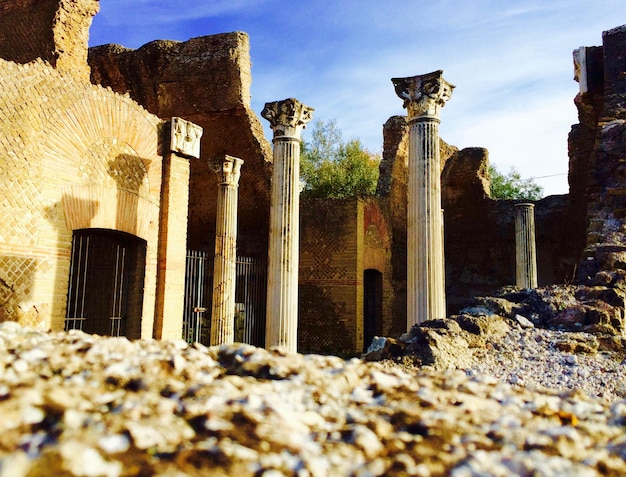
(116, 220)
(207, 80)
(87, 203)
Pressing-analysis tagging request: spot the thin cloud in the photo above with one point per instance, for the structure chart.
(120, 12)
(511, 61)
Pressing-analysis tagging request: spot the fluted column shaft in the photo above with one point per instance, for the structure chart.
(525, 248)
(225, 261)
(287, 119)
(423, 98)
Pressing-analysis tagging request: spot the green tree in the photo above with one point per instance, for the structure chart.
(513, 186)
(332, 168)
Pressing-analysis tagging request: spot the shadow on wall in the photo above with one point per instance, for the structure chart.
(56, 216)
(102, 232)
(320, 328)
(130, 174)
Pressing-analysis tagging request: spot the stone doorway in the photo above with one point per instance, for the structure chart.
(373, 306)
(107, 271)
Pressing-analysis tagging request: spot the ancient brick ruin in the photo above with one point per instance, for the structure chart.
(86, 159)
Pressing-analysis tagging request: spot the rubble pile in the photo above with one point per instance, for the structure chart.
(73, 404)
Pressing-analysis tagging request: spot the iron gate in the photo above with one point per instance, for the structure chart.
(250, 299)
(105, 268)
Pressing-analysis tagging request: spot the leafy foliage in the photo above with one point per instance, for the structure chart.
(513, 186)
(332, 168)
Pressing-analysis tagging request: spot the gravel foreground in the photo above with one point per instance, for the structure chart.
(73, 404)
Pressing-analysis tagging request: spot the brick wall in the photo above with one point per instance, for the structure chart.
(339, 240)
(72, 156)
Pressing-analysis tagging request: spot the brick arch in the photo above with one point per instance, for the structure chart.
(102, 152)
(377, 237)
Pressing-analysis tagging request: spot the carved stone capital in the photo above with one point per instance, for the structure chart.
(228, 168)
(185, 138)
(423, 95)
(287, 117)
(580, 68)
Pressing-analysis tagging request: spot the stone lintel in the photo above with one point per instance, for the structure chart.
(423, 95)
(185, 138)
(287, 117)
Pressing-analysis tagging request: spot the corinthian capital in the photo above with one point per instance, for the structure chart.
(287, 117)
(423, 95)
(228, 169)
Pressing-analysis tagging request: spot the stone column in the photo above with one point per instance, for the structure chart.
(287, 119)
(525, 250)
(172, 250)
(225, 261)
(424, 96)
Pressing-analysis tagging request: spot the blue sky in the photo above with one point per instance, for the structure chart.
(511, 62)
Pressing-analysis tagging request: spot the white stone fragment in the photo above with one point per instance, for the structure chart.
(524, 322)
(84, 461)
(114, 443)
(16, 464)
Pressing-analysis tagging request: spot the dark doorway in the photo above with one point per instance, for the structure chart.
(107, 272)
(373, 306)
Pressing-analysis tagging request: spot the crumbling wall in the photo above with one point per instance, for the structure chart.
(205, 80)
(479, 231)
(602, 110)
(56, 31)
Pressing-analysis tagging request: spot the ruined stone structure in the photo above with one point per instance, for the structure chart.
(479, 231)
(86, 196)
(92, 165)
(597, 145)
(55, 31)
(205, 80)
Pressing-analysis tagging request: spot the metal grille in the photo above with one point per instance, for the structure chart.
(98, 289)
(250, 299)
(198, 288)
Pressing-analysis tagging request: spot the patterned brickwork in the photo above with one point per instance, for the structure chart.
(70, 154)
(323, 239)
(330, 278)
(339, 241)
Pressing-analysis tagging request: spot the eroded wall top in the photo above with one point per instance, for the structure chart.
(208, 73)
(57, 31)
(205, 80)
